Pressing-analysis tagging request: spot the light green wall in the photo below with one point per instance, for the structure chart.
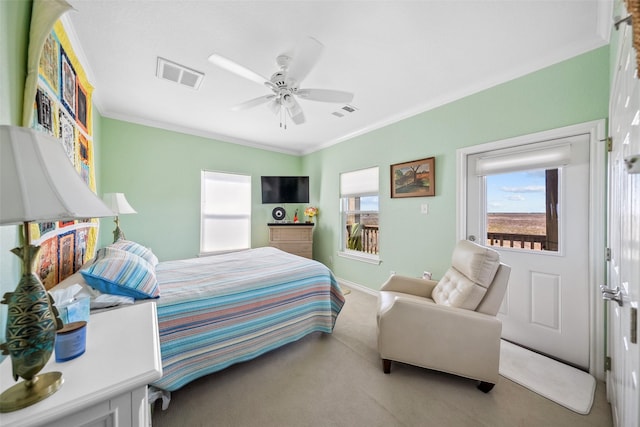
(159, 172)
(571, 92)
(14, 30)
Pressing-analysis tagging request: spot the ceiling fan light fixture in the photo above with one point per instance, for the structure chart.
(287, 100)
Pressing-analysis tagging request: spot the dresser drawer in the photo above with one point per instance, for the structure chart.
(296, 239)
(284, 234)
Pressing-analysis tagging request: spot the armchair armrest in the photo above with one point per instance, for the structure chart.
(441, 319)
(449, 339)
(409, 285)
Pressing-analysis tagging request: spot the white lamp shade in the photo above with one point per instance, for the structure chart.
(118, 203)
(39, 183)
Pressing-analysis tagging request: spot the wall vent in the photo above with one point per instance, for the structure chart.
(168, 70)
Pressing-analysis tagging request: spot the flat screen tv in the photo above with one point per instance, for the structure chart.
(285, 189)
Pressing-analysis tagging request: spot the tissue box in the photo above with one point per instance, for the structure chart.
(74, 311)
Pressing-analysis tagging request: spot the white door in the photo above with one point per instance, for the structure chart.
(623, 283)
(531, 203)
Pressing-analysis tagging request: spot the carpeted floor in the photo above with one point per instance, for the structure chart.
(337, 380)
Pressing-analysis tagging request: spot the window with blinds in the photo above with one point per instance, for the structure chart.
(225, 212)
(359, 210)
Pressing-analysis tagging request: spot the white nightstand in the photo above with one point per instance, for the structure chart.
(107, 385)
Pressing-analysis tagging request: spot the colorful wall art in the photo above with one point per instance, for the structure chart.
(62, 108)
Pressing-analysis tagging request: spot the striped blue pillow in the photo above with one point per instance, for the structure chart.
(136, 248)
(119, 272)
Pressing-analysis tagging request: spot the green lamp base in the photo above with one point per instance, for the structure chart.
(26, 393)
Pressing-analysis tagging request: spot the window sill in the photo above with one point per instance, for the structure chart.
(205, 254)
(360, 256)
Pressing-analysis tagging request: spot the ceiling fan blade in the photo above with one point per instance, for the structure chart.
(252, 103)
(325, 95)
(304, 58)
(294, 110)
(240, 70)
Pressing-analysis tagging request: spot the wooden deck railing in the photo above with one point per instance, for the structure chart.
(366, 241)
(523, 241)
(370, 239)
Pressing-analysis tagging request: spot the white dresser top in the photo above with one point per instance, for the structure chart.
(122, 353)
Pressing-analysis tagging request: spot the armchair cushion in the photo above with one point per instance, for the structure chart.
(476, 262)
(465, 283)
(455, 290)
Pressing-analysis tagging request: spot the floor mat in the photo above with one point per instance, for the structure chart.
(564, 384)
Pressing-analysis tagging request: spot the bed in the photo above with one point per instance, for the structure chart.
(220, 310)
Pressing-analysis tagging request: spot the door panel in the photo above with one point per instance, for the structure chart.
(546, 307)
(624, 240)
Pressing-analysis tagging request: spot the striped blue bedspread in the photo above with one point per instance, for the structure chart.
(219, 310)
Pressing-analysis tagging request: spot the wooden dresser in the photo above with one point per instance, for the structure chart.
(295, 238)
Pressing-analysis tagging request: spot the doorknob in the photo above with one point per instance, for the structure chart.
(611, 294)
(471, 238)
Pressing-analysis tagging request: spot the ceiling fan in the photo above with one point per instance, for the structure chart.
(285, 83)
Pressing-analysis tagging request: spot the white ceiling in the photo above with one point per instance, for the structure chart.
(400, 58)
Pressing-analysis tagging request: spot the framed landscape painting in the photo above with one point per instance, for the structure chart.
(414, 179)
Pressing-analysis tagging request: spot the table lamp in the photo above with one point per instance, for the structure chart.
(38, 183)
(119, 205)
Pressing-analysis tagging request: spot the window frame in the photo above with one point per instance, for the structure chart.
(360, 191)
(242, 216)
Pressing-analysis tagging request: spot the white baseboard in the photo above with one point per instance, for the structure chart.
(357, 286)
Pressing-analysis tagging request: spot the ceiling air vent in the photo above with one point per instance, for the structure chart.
(345, 110)
(177, 73)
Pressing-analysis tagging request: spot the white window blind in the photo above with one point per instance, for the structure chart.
(546, 158)
(225, 212)
(360, 182)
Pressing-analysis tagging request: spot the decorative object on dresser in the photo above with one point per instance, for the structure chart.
(37, 183)
(279, 213)
(295, 238)
(119, 205)
(310, 212)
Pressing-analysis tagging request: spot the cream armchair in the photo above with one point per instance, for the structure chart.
(450, 325)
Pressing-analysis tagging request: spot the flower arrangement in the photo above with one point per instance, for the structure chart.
(311, 212)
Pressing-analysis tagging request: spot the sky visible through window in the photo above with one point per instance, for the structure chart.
(369, 203)
(516, 192)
